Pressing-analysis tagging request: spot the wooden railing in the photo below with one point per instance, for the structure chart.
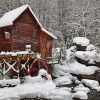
(53, 60)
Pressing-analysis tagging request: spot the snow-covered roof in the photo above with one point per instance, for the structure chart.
(9, 17)
(48, 33)
(83, 41)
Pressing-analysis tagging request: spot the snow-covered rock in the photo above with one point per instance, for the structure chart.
(83, 41)
(81, 95)
(90, 47)
(75, 68)
(78, 68)
(61, 94)
(65, 89)
(81, 87)
(91, 56)
(78, 82)
(43, 76)
(62, 80)
(98, 89)
(93, 84)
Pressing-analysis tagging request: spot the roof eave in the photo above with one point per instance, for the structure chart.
(48, 33)
(6, 25)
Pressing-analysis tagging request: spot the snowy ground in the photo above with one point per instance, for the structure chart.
(44, 87)
(34, 87)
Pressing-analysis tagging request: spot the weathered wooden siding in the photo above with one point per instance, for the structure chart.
(46, 43)
(27, 26)
(5, 44)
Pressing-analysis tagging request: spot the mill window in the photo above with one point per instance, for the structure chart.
(17, 30)
(34, 32)
(7, 35)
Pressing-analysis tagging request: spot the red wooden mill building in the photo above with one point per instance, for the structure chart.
(19, 28)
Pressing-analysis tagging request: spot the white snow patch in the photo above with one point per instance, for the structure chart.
(90, 56)
(43, 76)
(81, 95)
(12, 82)
(83, 41)
(75, 68)
(98, 89)
(62, 80)
(81, 87)
(78, 68)
(90, 47)
(61, 94)
(65, 89)
(93, 84)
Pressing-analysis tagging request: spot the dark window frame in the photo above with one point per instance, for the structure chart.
(18, 30)
(34, 32)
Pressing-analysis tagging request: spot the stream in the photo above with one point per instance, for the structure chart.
(94, 95)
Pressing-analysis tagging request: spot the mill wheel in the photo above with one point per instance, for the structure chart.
(36, 66)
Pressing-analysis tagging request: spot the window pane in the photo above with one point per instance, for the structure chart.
(34, 32)
(7, 35)
(17, 30)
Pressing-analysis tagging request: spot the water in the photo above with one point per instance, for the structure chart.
(94, 95)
